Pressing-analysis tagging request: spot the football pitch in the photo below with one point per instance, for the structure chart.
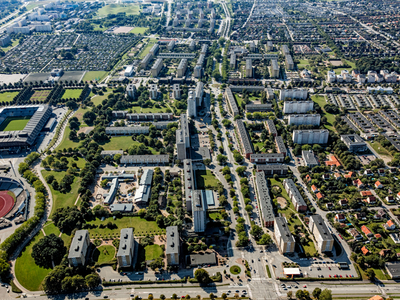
(14, 123)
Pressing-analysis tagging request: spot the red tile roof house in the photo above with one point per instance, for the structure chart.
(314, 189)
(366, 193)
(378, 185)
(389, 225)
(319, 196)
(349, 175)
(355, 234)
(364, 250)
(308, 178)
(340, 218)
(358, 183)
(398, 196)
(343, 202)
(366, 231)
(337, 176)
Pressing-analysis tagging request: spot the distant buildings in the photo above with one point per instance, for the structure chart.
(183, 138)
(181, 71)
(128, 71)
(321, 233)
(172, 248)
(126, 248)
(188, 178)
(284, 238)
(176, 90)
(280, 145)
(274, 69)
(156, 68)
(249, 68)
(191, 105)
(272, 169)
(267, 158)
(247, 145)
(271, 127)
(289, 62)
(79, 246)
(317, 136)
(230, 99)
(354, 142)
(127, 130)
(153, 91)
(131, 90)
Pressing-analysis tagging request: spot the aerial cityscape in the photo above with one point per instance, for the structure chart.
(200, 149)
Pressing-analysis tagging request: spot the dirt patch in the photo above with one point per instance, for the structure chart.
(282, 202)
(85, 130)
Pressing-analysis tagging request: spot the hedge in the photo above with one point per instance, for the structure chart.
(109, 283)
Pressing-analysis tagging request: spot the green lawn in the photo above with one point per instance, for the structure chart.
(51, 228)
(141, 226)
(380, 150)
(72, 93)
(98, 99)
(215, 216)
(140, 109)
(66, 142)
(139, 30)
(30, 275)
(14, 123)
(330, 117)
(94, 75)
(129, 9)
(60, 199)
(7, 96)
(153, 252)
(122, 142)
(303, 63)
(205, 178)
(147, 48)
(104, 254)
(352, 66)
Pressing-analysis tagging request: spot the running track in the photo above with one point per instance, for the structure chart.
(6, 203)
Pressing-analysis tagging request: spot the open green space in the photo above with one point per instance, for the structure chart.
(66, 142)
(330, 117)
(153, 109)
(98, 99)
(303, 63)
(72, 93)
(7, 96)
(235, 270)
(30, 275)
(94, 76)
(104, 254)
(215, 215)
(128, 9)
(380, 149)
(147, 48)
(205, 178)
(141, 226)
(60, 199)
(139, 30)
(122, 142)
(351, 64)
(14, 123)
(51, 228)
(153, 252)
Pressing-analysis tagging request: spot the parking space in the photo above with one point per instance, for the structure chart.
(366, 159)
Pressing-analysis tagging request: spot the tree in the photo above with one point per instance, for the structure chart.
(325, 295)
(4, 268)
(370, 273)
(237, 156)
(202, 276)
(48, 250)
(207, 162)
(49, 178)
(256, 231)
(316, 292)
(265, 239)
(249, 208)
(222, 159)
(240, 171)
(117, 157)
(92, 280)
(290, 294)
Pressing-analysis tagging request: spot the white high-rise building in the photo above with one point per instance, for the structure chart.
(318, 136)
(301, 94)
(306, 119)
(297, 107)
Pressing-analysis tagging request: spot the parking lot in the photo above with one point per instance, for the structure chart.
(366, 159)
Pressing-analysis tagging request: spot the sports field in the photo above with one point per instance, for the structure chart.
(40, 95)
(72, 93)
(14, 123)
(139, 30)
(128, 9)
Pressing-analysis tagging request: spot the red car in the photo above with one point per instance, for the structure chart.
(304, 286)
(330, 276)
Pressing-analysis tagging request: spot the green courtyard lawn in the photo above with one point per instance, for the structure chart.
(239, 99)
(60, 199)
(50, 228)
(12, 45)
(153, 109)
(79, 114)
(72, 93)
(204, 178)
(215, 215)
(352, 67)
(94, 76)
(303, 63)
(14, 123)
(7, 96)
(141, 226)
(104, 254)
(30, 275)
(153, 252)
(139, 30)
(380, 150)
(66, 142)
(122, 143)
(98, 99)
(147, 48)
(111, 9)
(330, 117)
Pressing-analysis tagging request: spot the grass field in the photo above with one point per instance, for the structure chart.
(139, 30)
(66, 142)
(72, 93)
(380, 150)
(128, 9)
(148, 109)
(146, 49)
(141, 226)
(352, 66)
(97, 99)
(122, 142)
(40, 95)
(205, 178)
(30, 275)
(330, 118)
(94, 75)
(303, 63)
(51, 228)
(7, 96)
(153, 252)
(14, 124)
(104, 254)
(60, 199)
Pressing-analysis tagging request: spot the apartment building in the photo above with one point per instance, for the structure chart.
(145, 159)
(126, 249)
(131, 90)
(128, 130)
(232, 61)
(176, 90)
(199, 210)
(316, 136)
(78, 250)
(300, 94)
(264, 199)
(305, 119)
(354, 142)
(199, 92)
(309, 158)
(267, 158)
(154, 50)
(189, 182)
(274, 69)
(172, 249)
(245, 141)
(181, 71)
(269, 124)
(156, 68)
(249, 68)
(230, 99)
(283, 236)
(280, 145)
(321, 233)
(171, 45)
(289, 62)
(272, 169)
(145, 61)
(143, 192)
(298, 202)
(153, 91)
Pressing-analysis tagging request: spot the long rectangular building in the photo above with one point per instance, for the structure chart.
(269, 124)
(78, 249)
(258, 107)
(272, 169)
(264, 199)
(301, 94)
(199, 210)
(321, 233)
(280, 145)
(145, 159)
(305, 119)
(188, 178)
(297, 107)
(142, 194)
(156, 68)
(121, 114)
(316, 136)
(126, 249)
(267, 158)
(172, 249)
(230, 99)
(247, 145)
(128, 130)
(284, 238)
(298, 202)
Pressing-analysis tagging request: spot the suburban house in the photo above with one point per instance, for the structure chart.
(329, 205)
(319, 196)
(366, 193)
(355, 234)
(389, 199)
(349, 175)
(358, 183)
(366, 231)
(314, 189)
(364, 250)
(378, 185)
(337, 176)
(340, 218)
(343, 202)
(389, 225)
(360, 216)
(326, 177)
